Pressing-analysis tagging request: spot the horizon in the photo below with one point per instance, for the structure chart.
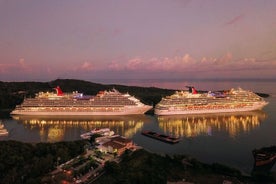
(179, 39)
(104, 80)
(265, 86)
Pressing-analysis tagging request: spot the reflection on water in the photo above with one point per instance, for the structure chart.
(195, 125)
(53, 129)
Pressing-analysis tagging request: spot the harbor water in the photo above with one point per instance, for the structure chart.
(226, 138)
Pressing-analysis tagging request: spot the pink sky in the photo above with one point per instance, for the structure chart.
(46, 40)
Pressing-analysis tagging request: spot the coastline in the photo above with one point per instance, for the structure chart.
(13, 93)
(5, 111)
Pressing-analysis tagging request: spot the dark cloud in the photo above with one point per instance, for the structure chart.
(235, 20)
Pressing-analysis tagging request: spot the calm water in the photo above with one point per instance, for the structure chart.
(225, 138)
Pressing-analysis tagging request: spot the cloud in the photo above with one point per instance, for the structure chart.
(87, 66)
(235, 20)
(187, 63)
(84, 66)
(179, 66)
(161, 64)
(23, 65)
(135, 64)
(154, 64)
(22, 71)
(19, 66)
(227, 58)
(103, 33)
(114, 65)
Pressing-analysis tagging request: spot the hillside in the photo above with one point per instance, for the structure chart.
(13, 93)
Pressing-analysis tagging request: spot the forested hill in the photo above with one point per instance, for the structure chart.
(13, 93)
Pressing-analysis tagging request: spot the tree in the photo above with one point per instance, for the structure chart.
(112, 167)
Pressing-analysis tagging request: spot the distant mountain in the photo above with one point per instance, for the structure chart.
(13, 93)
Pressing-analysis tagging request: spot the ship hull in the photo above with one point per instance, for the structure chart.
(124, 111)
(257, 106)
(76, 104)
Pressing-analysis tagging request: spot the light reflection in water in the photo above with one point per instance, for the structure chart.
(52, 129)
(195, 125)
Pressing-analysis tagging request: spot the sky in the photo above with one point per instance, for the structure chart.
(137, 39)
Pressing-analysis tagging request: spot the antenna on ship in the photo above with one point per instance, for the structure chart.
(190, 88)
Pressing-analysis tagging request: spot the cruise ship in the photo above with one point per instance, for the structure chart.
(58, 103)
(192, 102)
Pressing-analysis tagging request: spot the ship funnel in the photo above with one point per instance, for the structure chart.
(59, 91)
(192, 89)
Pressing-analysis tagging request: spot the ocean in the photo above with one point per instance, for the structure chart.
(227, 138)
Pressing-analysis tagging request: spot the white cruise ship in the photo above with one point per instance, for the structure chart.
(192, 102)
(104, 103)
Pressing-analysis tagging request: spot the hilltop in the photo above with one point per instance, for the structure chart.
(13, 93)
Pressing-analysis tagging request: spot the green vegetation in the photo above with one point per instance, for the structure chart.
(27, 163)
(13, 93)
(81, 165)
(145, 167)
